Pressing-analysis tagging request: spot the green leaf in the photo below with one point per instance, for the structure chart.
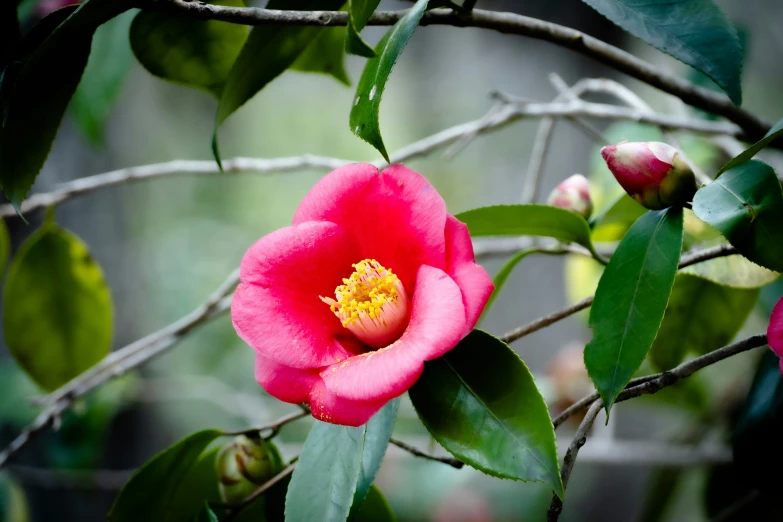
(106, 70)
(57, 311)
(528, 220)
(775, 132)
(695, 32)
(326, 475)
(5, 248)
(624, 210)
(195, 53)
(365, 111)
(502, 276)
(480, 402)
(631, 300)
(153, 489)
(359, 11)
(268, 51)
(374, 508)
(376, 439)
(733, 271)
(206, 515)
(701, 317)
(198, 486)
(34, 106)
(746, 206)
(325, 55)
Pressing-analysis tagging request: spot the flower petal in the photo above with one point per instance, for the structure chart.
(437, 324)
(328, 407)
(473, 280)
(396, 216)
(277, 309)
(775, 330)
(285, 383)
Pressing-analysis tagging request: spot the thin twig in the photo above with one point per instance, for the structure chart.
(687, 260)
(451, 461)
(72, 479)
(273, 427)
(556, 507)
(503, 22)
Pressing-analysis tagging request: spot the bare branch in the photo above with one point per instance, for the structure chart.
(508, 23)
(451, 461)
(686, 260)
(74, 479)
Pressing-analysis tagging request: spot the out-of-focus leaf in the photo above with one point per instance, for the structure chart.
(151, 493)
(43, 86)
(701, 317)
(364, 120)
(5, 248)
(57, 311)
(325, 55)
(268, 51)
(107, 67)
(775, 132)
(490, 414)
(13, 504)
(374, 508)
(359, 11)
(695, 32)
(206, 515)
(10, 33)
(528, 220)
(631, 299)
(625, 209)
(746, 206)
(195, 53)
(734, 271)
(502, 276)
(327, 473)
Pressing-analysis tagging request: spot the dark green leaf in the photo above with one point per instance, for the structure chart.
(376, 439)
(5, 248)
(374, 508)
(695, 32)
(480, 402)
(107, 67)
(326, 475)
(199, 486)
(9, 31)
(195, 53)
(746, 206)
(57, 311)
(631, 300)
(359, 11)
(701, 317)
(365, 111)
(325, 55)
(528, 220)
(152, 491)
(269, 50)
(43, 86)
(775, 132)
(206, 515)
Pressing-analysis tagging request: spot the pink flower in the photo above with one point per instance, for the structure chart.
(653, 173)
(775, 331)
(373, 278)
(47, 6)
(573, 194)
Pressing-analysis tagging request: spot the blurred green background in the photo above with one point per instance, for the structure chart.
(166, 245)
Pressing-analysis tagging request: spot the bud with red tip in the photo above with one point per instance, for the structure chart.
(573, 194)
(652, 173)
(775, 331)
(244, 464)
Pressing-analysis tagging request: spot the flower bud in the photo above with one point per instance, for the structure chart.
(244, 464)
(652, 173)
(573, 194)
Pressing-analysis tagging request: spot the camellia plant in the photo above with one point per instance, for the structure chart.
(373, 291)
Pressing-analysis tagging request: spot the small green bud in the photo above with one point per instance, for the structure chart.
(243, 465)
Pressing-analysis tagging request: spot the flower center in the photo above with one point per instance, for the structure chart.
(372, 304)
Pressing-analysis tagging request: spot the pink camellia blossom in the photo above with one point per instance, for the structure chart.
(47, 6)
(573, 194)
(653, 173)
(775, 331)
(373, 278)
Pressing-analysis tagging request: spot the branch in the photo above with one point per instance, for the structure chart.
(509, 23)
(651, 384)
(556, 507)
(451, 461)
(119, 362)
(686, 260)
(72, 479)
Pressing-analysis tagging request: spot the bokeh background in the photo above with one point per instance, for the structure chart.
(165, 245)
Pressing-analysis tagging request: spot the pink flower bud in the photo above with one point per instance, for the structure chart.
(652, 173)
(775, 331)
(47, 6)
(573, 194)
